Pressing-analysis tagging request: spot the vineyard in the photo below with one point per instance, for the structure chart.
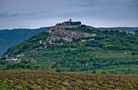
(65, 81)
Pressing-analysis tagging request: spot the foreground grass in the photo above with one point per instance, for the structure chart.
(66, 81)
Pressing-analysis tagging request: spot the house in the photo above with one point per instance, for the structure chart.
(13, 59)
(67, 39)
(20, 56)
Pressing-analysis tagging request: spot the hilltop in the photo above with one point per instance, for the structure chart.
(73, 47)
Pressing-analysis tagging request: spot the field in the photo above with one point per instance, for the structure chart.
(66, 81)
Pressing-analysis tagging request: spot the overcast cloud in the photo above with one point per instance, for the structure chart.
(40, 13)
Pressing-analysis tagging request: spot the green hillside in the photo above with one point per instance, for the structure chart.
(11, 37)
(110, 51)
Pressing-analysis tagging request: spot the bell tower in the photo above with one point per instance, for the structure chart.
(70, 20)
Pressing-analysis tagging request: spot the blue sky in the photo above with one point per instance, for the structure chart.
(40, 13)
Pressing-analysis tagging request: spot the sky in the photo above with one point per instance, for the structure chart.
(43, 13)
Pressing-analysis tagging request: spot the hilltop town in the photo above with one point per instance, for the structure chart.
(72, 46)
(59, 35)
(59, 32)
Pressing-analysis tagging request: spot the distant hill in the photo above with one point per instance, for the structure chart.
(12, 37)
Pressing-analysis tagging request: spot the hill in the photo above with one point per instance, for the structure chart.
(12, 37)
(77, 48)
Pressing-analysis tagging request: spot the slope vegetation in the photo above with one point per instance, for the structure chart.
(84, 49)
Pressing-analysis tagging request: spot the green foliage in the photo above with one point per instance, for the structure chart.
(4, 86)
(27, 45)
(108, 49)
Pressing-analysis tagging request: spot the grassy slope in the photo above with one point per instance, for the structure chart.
(101, 55)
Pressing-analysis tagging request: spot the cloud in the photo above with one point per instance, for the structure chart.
(23, 14)
(88, 3)
(39, 10)
(130, 3)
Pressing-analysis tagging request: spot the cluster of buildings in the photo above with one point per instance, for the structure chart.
(117, 30)
(70, 34)
(58, 33)
(65, 35)
(11, 59)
